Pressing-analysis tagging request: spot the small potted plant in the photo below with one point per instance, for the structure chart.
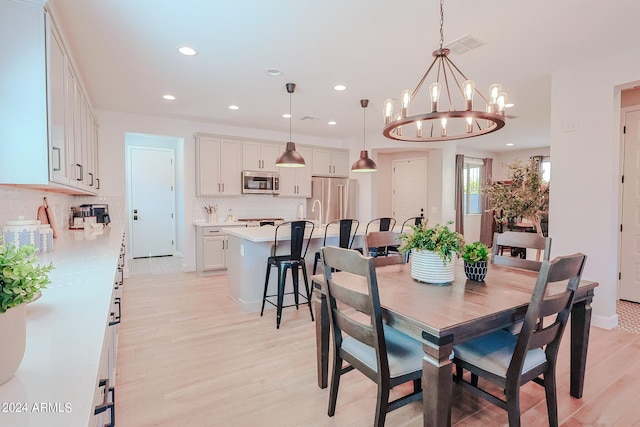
(21, 277)
(432, 252)
(475, 256)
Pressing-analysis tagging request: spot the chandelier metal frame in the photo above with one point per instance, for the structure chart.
(477, 122)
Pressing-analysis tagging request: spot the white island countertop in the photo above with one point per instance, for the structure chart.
(57, 379)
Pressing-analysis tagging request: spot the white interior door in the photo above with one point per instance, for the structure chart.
(409, 188)
(630, 236)
(152, 217)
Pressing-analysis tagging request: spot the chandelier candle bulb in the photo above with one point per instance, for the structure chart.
(502, 102)
(469, 124)
(388, 111)
(469, 88)
(419, 129)
(434, 92)
(405, 99)
(443, 122)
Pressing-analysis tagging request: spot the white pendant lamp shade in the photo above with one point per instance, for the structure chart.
(290, 158)
(364, 163)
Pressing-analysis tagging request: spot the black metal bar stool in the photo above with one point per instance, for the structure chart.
(348, 230)
(294, 261)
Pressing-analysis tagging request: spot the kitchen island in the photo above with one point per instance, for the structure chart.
(68, 335)
(247, 256)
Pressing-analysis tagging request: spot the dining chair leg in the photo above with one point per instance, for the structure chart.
(381, 406)
(315, 262)
(266, 285)
(335, 383)
(552, 399)
(307, 288)
(512, 395)
(295, 274)
(282, 275)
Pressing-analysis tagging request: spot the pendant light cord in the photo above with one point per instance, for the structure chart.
(364, 128)
(441, 23)
(289, 116)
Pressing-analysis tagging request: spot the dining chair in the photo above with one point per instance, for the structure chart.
(348, 230)
(382, 353)
(383, 239)
(509, 361)
(379, 224)
(516, 239)
(295, 261)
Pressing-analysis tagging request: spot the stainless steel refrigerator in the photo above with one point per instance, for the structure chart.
(338, 197)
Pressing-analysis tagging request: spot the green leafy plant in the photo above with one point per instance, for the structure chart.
(523, 196)
(475, 252)
(20, 275)
(440, 239)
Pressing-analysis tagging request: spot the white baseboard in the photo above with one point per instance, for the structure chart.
(603, 322)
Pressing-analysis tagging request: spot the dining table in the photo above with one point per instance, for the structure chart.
(441, 316)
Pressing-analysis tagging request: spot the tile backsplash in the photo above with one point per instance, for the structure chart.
(248, 206)
(19, 201)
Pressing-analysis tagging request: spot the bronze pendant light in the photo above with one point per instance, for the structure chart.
(364, 163)
(290, 158)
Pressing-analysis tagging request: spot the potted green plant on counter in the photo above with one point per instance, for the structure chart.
(21, 277)
(475, 256)
(432, 252)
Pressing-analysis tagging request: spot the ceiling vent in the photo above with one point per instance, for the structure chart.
(464, 44)
(310, 118)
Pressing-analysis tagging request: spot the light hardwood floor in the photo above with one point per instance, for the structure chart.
(187, 356)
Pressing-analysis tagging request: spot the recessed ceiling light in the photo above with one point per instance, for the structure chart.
(509, 144)
(332, 123)
(339, 87)
(233, 107)
(186, 50)
(169, 97)
(286, 116)
(508, 105)
(273, 72)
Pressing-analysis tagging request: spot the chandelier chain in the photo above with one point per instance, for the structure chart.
(441, 23)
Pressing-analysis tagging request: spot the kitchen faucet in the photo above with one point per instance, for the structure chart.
(313, 209)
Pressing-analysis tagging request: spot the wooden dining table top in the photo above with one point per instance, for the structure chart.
(452, 310)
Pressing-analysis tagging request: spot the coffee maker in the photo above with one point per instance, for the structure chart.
(82, 213)
(101, 212)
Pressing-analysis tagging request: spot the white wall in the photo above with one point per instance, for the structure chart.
(585, 151)
(114, 126)
(504, 158)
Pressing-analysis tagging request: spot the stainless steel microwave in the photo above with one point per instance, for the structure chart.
(260, 182)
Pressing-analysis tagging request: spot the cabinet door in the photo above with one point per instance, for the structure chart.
(230, 167)
(207, 170)
(78, 117)
(269, 153)
(322, 162)
(303, 175)
(57, 67)
(251, 160)
(214, 252)
(340, 162)
(288, 184)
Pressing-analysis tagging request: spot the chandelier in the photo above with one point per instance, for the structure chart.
(449, 123)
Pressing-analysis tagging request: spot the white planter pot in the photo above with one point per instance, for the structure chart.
(428, 267)
(13, 329)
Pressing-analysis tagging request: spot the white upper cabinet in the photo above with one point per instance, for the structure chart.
(330, 162)
(38, 138)
(296, 182)
(260, 156)
(218, 166)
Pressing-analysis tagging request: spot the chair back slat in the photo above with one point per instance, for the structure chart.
(357, 330)
(354, 299)
(516, 239)
(384, 239)
(554, 304)
(544, 336)
(384, 224)
(297, 246)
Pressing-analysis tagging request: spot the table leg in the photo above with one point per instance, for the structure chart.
(322, 335)
(437, 385)
(580, 325)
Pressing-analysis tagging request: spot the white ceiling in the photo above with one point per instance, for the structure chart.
(126, 51)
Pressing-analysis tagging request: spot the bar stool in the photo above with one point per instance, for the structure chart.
(347, 235)
(384, 224)
(294, 261)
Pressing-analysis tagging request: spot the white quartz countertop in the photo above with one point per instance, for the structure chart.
(65, 332)
(220, 224)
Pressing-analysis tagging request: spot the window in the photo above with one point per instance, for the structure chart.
(472, 184)
(546, 170)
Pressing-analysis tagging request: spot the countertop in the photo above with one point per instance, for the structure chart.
(65, 332)
(220, 224)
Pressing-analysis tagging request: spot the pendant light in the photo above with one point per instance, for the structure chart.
(290, 158)
(364, 163)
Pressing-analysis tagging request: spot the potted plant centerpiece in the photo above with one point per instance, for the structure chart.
(432, 252)
(21, 277)
(475, 258)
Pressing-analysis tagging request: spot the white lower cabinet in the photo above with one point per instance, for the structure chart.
(211, 247)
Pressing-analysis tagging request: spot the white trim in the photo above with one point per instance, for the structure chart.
(603, 322)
